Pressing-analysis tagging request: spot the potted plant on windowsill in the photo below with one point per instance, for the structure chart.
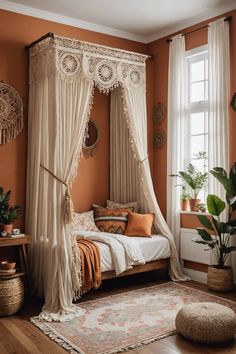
(184, 199)
(8, 213)
(217, 234)
(196, 181)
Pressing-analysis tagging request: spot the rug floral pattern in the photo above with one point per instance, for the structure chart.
(121, 322)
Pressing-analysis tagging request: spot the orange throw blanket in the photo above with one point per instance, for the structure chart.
(90, 265)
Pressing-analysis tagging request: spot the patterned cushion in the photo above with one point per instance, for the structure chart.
(112, 221)
(114, 205)
(83, 222)
(139, 224)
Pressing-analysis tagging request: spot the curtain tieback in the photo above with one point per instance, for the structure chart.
(68, 206)
(141, 161)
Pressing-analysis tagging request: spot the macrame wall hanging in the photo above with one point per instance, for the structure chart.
(11, 113)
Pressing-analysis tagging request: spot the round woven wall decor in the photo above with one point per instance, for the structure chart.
(159, 138)
(11, 113)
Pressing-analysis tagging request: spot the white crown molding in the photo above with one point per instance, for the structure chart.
(54, 17)
(206, 15)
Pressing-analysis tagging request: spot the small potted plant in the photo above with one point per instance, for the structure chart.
(202, 207)
(8, 213)
(217, 234)
(184, 199)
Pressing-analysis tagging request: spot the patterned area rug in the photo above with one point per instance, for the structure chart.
(125, 321)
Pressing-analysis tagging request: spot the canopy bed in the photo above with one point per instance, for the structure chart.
(62, 75)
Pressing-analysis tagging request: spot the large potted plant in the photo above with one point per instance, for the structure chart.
(196, 181)
(8, 213)
(216, 234)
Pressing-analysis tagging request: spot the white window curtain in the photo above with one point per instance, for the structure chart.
(176, 144)
(219, 79)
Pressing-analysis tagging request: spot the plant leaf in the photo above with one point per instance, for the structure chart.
(205, 221)
(232, 176)
(215, 205)
(221, 175)
(204, 234)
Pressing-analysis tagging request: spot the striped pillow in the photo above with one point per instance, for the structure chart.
(111, 220)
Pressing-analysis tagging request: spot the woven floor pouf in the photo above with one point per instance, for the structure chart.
(206, 322)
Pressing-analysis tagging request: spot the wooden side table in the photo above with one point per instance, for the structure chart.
(22, 243)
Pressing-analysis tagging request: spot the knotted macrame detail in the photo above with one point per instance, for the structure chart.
(11, 113)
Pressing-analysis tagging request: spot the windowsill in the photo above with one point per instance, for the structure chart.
(193, 212)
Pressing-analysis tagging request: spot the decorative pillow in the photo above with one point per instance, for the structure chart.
(114, 205)
(111, 220)
(139, 224)
(83, 222)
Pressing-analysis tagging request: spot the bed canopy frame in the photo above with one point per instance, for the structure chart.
(62, 75)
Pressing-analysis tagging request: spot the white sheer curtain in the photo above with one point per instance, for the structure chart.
(124, 177)
(219, 79)
(176, 130)
(135, 108)
(58, 113)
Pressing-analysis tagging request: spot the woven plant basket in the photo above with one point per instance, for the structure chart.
(220, 280)
(11, 295)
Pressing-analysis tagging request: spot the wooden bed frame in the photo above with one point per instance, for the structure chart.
(154, 265)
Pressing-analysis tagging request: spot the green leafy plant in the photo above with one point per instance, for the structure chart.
(194, 179)
(10, 214)
(202, 207)
(7, 213)
(4, 201)
(184, 194)
(220, 241)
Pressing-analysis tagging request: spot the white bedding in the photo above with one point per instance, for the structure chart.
(152, 249)
(119, 252)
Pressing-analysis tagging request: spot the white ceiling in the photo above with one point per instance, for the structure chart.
(141, 20)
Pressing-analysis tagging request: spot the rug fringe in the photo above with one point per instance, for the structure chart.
(55, 337)
(72, 350)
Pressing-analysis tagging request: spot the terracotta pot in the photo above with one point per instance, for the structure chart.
(193, 203)
(184, 205)
(8, 228)
(220, 279)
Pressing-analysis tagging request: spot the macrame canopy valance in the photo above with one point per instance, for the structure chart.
(62, 76)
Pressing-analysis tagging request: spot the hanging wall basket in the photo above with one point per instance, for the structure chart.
(11, 113)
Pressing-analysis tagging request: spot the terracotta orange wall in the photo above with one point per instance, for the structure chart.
(92, 184)
(160, 49)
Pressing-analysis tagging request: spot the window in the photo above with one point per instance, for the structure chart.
(197, 92)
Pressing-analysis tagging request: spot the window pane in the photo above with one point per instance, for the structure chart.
(206, 69)
(197, 123)
(199, 164)
(197, 144)
(197, 92)
(206, 90)
(197, 71)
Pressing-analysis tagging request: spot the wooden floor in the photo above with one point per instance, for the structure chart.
(19, 336)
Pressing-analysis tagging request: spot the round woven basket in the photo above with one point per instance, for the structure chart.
(11, 295)
(220, 280)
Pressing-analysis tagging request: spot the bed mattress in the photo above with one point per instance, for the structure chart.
(154, 248)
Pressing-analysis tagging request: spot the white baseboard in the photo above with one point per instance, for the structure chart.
(201, 277)
(195, 275)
